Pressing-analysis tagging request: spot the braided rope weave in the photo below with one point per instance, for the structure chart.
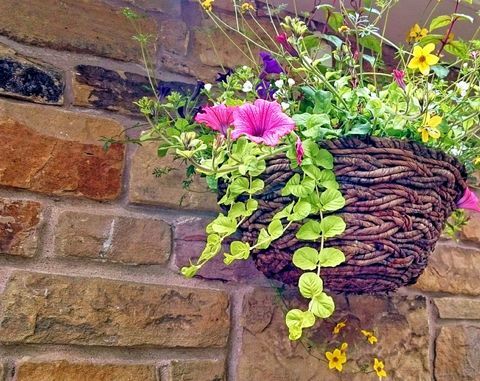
(398, 197)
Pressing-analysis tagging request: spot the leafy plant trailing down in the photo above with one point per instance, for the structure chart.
(313, 83)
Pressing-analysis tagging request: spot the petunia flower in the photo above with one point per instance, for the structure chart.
(270, 65)
(429, 128)
(265, 90)
(469, 201)
(261, 122)
(300, 152)
(218, 117)
(222, 77)
(336, 359)
(423, 58)
(378, 366)
(282, 39)
(398, 76)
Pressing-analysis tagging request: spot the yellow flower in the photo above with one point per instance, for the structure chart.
(416, 33)
(207, 5)
(246, 7)
(429, 128)
(423, 59)
(476, 160)
(338, 327)
(343, 347)
(343, 29)
(336, 359)
(378, 366)
(370, 336)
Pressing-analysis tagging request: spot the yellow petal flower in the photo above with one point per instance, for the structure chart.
(338, 327)
(336, 359)
(423, 59)
(207, 5)
(433, 121)
(370, 336)
(378, 366)
(246, 7)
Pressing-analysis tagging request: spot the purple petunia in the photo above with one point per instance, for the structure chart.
(270, 65)
(261, 122)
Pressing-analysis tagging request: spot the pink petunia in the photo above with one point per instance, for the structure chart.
(218, 117)
(469, 200)
(299, 150)
(261, 122)
(399, 77)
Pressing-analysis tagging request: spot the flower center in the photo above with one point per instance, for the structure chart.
(422, 59)
(335, 359)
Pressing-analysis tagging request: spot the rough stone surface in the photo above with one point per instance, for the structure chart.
(112, 238)
(456, 353)
(201, 370)
(471, 231)
(174, 36)
(37, 156)
(400, 323)
(20, 223)
(52, 309)
(452, 269)
(87, 26)
(189, 243)
(166, 190)
(458, 308)
(24, 78)
(170, 7)
(67, 371)
(1, 372)
(100, 88)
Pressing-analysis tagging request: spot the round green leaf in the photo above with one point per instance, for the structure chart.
(301, 210)
(309, 231)
(322, 305)
(332, 200)
(331, 226)
(310, 285)
(331, 257)
(275, 229)
(299, 318)
(305, 258)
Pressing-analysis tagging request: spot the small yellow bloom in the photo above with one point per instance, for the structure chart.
(336, 359)
(429, 128)
(343, 29)
(370, 336)
(247, 7)
(343, 347)
(207, 5)
(378, 366)
(416, 33)
(476, 160)
(338, 327)
(423, 59)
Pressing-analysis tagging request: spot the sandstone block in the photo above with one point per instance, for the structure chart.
(198, 370)
(458, 308)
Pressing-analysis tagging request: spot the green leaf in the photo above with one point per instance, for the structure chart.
(212, 247)
(238, 186)
(222, 225)
(322, 305)
(252, 206)
(264, 240)
(331, 257)
(320, 157)
(296, 320)
(257, 186)
(371, 42)
(285, 212)
(331, 226)
(440, 22)
(275, 229)
(431, 38)
(310, 285)
(337, 42)
(335, 20)
(300, 189)
(312, 171)
(440, 71)
(462, 16)
(310, 231)
(457, 48)
(311, 42)
(332, 200)
(305, 258)
(301, 210)
(190, 271)
(237, 210)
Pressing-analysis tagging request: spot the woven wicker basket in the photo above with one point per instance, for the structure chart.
(398, 197)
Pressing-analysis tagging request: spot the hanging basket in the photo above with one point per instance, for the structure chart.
(398, 194)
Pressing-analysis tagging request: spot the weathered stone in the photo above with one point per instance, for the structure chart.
(190, 67)
(170, 7)
(398, 322)
(174, 36)
(166, 190)
(2, 371)
(458, 308)
(456, 353)
(452, 269)
(97, 87)
(58, 152)
(20, 222)
(471, 231)
(189, 243)
(53, 309)
(198, 370)
(87, 26)
(112, 238)
(24, 78)
(67, 371)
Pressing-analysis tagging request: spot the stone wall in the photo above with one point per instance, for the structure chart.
(91, 242)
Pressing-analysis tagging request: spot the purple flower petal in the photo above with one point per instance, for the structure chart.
(270, 64)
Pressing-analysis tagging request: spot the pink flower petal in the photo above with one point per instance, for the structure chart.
(469, 201)
(218, 117)
(299, 150)
(262, 122)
